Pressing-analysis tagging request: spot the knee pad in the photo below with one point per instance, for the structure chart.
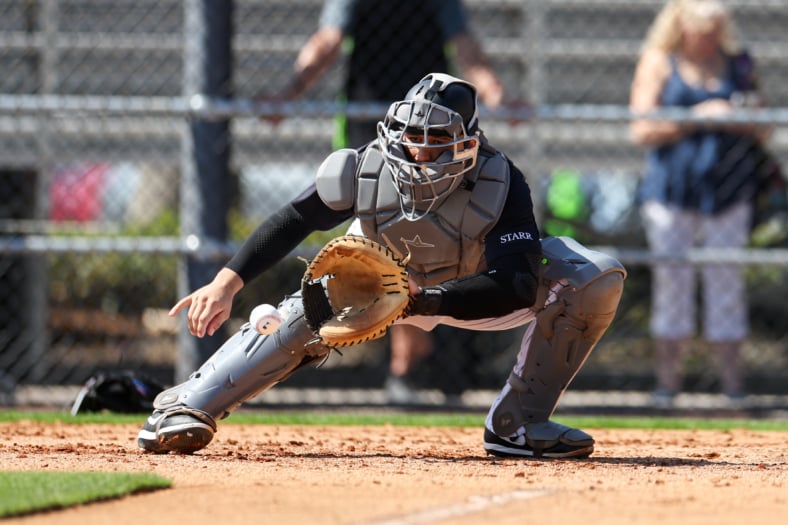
(563, 335)
(247, 364)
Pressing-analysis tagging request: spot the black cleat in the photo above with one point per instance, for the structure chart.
(541, 440)
(182, 430)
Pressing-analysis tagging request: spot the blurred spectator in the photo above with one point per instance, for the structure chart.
(691, 58)
(393, 45)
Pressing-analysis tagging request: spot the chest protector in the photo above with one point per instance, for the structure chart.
(446, 243)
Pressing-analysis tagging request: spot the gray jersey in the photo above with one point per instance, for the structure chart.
(445, 244)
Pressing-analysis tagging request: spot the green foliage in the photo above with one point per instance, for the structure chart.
(27, 492)
(767, 287)
(117, 282)
(130, 282)
(318, 239)
(166, 224)
(108, 281)
(241, 226)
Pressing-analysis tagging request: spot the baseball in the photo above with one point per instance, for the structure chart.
(265, 319)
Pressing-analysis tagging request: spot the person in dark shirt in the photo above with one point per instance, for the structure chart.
(391, 46)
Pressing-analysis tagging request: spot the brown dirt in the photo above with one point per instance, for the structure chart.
(397, 476)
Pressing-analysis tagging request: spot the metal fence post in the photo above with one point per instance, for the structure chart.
(37, 267)
(205, 160)
(535, 44)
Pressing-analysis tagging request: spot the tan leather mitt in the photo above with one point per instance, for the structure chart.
(353, 290)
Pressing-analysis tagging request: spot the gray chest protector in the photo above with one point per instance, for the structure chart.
(446, 243)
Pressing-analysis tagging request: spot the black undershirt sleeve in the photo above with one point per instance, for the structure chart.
(513, 252)
(510, 286)
(282, 232)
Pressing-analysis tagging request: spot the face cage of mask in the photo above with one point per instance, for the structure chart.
(422, 185)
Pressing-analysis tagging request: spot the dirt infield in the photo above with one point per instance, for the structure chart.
(400, 475)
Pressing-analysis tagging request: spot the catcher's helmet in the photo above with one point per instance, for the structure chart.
(439, 115)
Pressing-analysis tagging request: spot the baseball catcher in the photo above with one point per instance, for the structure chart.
(445, 234)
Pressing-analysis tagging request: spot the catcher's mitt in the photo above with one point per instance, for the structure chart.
(353, 290)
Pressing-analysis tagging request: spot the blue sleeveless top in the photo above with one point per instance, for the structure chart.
(683, 173)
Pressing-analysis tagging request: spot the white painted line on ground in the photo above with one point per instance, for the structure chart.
(472, 505)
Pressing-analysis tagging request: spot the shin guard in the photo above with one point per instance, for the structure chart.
(247, 364)
(564, 333)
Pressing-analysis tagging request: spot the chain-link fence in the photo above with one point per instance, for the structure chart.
(136, 153)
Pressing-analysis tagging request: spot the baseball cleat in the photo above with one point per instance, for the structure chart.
(541, 440)
(181, 430)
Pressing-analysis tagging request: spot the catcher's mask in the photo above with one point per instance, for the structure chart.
(430, 140)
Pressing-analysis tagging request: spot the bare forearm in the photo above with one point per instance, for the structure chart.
(655, 133)
(317, 55)
(477, 70)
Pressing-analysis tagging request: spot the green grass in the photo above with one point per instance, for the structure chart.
(27, 492)
(367, 417)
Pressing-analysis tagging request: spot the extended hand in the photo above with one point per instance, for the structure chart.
(210, 306)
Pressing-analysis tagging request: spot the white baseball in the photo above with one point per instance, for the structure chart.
(265, 318)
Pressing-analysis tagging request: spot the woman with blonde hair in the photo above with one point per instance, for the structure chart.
(692, 58)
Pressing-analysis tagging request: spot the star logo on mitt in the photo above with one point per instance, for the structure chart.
(416, 242)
